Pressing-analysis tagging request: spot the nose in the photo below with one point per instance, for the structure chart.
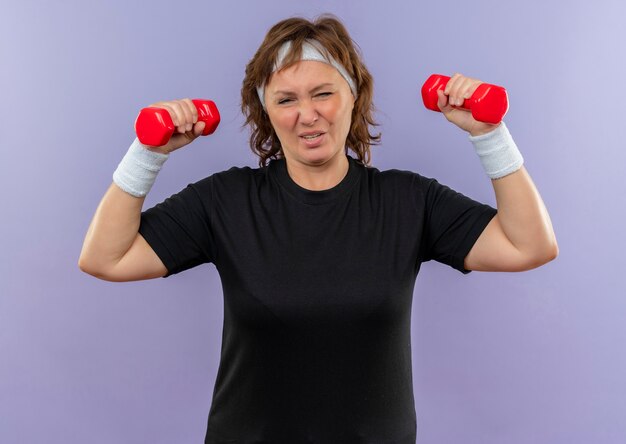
(308, 114)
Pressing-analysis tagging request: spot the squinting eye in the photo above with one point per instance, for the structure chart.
(324, 94)
(281, 101)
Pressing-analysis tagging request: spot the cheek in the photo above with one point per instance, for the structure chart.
(283, 121)
(340, 114)
(344, 117)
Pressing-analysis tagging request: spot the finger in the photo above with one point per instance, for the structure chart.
(442, 101)
(192, 108)
(456, 91)
(450, 85)
(198, 128)
(186, 105)
(180, 116)
(467, 89)
(462, 86)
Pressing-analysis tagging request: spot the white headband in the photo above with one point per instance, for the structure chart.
(310, 51)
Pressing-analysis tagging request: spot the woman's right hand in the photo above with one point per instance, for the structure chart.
(185, 118)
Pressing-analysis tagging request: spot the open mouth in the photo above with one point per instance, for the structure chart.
(313, 139)
(311, 136)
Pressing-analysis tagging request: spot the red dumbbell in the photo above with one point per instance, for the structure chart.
(489, 103)
(154, 125)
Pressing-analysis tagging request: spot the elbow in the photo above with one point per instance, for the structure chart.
(87, 266)
(91, 268)
(552, 251)
(541, 258)
(84, 265)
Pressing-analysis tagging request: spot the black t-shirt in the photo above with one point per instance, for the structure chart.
(318, 287)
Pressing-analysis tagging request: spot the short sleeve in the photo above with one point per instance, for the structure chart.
(179, 230)
(452, 224)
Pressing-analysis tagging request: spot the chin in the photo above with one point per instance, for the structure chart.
(319, 156)
(320, 159)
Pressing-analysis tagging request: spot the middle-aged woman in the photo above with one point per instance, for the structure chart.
(317, 251)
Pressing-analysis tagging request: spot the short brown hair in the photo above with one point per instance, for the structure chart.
(334, 37)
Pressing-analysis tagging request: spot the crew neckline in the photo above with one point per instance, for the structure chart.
(278, 167)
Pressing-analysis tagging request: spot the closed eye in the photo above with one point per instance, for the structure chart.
(321, 95)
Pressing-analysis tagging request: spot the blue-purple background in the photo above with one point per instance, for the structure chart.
(534, 357)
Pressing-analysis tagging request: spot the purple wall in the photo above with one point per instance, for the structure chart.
(534, 357)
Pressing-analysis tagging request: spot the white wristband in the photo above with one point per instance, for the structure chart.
(138, 169)
(498, 152)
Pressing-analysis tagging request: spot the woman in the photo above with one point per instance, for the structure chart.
(317, 252)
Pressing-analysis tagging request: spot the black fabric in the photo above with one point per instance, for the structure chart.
(318, 288)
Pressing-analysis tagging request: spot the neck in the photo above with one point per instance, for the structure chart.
(319, 177)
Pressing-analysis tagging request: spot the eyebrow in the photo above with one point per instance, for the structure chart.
(318, 87)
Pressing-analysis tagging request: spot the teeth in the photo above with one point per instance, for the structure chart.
(312, 136)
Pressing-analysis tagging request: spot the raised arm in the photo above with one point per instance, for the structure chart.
(113, 249)
(520, 237)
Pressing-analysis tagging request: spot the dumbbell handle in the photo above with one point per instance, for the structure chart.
(489, 103)
(154, 125)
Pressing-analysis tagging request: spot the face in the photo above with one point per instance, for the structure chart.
(310, 107)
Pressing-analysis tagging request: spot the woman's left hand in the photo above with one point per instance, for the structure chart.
(451, 98)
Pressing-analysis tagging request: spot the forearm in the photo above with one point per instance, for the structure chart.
(523, 215)
(112, 231)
